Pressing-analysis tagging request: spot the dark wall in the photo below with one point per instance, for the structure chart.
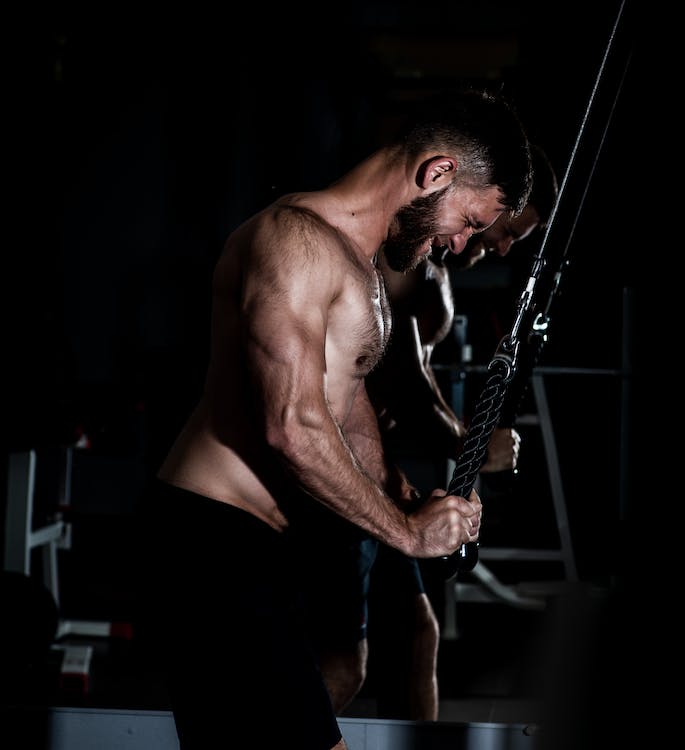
(141, 141)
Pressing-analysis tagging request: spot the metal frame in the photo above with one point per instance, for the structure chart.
(21, 539)
(524, 595)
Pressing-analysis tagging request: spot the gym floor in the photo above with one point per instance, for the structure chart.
(489, 673)
(493, 669)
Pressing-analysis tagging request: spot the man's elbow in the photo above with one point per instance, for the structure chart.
(290, 431)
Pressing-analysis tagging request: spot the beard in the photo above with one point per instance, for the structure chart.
(414, 224)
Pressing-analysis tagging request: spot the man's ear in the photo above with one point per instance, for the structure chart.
(434, 170)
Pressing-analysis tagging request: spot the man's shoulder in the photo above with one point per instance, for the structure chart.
(293, 218)
(288, 235)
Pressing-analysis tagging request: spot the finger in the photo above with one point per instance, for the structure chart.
(474, 499)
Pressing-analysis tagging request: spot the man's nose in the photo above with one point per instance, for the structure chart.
(458, 241)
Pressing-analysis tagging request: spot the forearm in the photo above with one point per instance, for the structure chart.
(304, 434)
(438, 526)
(322, 462)
(317, 454)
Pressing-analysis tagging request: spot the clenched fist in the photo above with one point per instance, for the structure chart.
(443, 523)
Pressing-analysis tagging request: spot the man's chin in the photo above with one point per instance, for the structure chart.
(422, 254)
(417, 261)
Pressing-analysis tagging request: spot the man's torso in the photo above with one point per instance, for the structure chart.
(221, 453)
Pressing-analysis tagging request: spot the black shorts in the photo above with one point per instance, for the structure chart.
(335, 587)
(396, 574)
(337, 572)
(220, 613)
(334, 559)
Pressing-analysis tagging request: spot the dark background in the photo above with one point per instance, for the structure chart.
(143, 140)
(140, 140)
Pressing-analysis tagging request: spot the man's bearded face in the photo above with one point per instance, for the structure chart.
(414, 225)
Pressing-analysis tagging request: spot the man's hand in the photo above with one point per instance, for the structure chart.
(443, 523)
(503, 450)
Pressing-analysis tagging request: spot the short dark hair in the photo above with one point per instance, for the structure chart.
(480, 129)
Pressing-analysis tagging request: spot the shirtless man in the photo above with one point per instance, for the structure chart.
(285, 442)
